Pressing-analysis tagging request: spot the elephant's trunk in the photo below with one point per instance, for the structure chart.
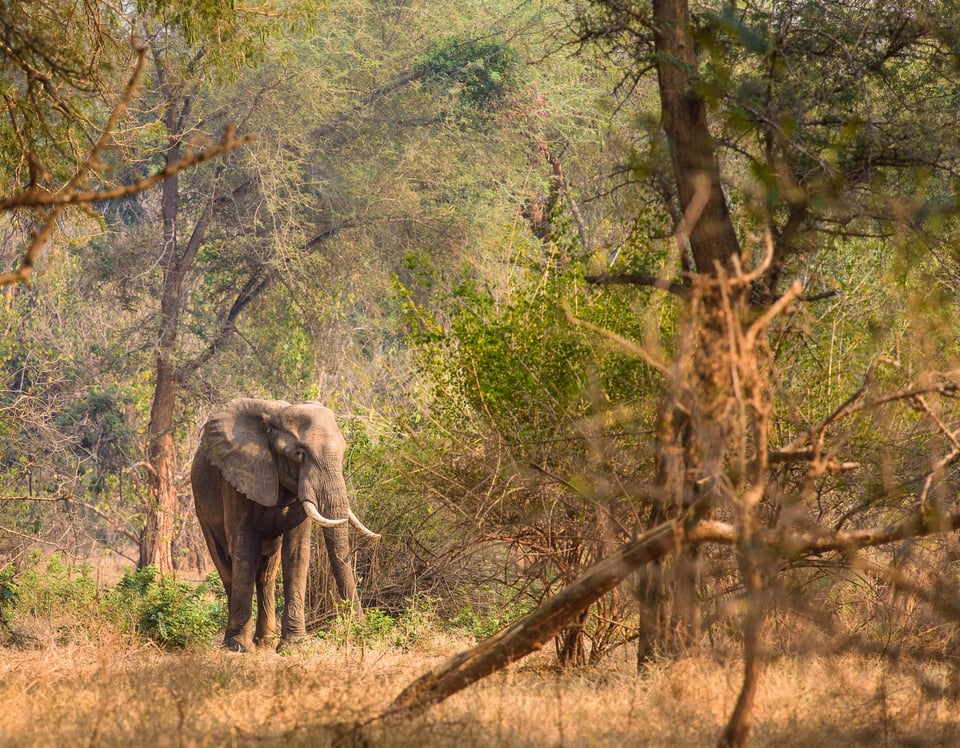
(330, 488)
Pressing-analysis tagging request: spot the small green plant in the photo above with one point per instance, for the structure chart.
(8, 593)
(376, 626)
(165, 609)
(483, 624)
(56, 588)
(418, 619)
(380, 628)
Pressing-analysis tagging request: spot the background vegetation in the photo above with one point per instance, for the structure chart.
(462, 227)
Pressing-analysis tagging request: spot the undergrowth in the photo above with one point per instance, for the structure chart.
(66, 599)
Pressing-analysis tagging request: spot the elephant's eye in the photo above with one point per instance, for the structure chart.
(299, 454)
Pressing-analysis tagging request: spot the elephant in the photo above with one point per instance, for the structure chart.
(264, 473)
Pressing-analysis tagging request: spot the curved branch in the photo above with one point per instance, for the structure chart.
(638, 279)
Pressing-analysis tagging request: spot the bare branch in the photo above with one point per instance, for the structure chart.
(628, 346)
(70, 195)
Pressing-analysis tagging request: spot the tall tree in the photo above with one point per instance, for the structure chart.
(180, 64)
(797, 122)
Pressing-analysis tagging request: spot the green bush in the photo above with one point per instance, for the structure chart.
(165, 609)
(8, 593)
(57, 588)
(482, 625)
(479, 75)
(380, 628)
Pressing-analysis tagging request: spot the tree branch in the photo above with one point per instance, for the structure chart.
(540, 625)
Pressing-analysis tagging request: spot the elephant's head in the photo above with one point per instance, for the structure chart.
(262, 445)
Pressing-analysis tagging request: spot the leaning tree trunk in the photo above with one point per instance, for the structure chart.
(536, 628)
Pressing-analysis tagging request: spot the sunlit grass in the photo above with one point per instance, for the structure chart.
(112, 692)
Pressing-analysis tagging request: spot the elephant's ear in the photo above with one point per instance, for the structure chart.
(237, 444)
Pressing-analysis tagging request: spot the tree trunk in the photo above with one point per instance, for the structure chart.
(156, 544)
(713, 240)
(689, 437)
(176, 260)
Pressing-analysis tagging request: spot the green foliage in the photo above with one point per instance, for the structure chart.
(58, 57)
(8, 593)
(165, 609)
(55, 588)
(161, 608)
(521, 362)
(414, 624)
(485, 621)
(98, 422)
(478, 74)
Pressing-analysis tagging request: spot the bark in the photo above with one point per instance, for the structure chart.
(713, 240)
(690, 435)
(156, 542)
(738, 727)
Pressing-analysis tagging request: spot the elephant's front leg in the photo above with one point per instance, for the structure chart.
(267, 593)
(239, 616)
(244, 543)
(296, 565)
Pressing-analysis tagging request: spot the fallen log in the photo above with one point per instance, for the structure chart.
(536, 628)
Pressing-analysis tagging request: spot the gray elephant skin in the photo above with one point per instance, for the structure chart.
(264, 473)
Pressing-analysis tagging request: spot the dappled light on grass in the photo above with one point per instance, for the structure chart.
(111, 693)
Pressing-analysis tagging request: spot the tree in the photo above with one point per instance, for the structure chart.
(280, 236)
(70, 74)
(62, 66)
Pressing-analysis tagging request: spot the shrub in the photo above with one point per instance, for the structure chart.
(58, 588)
(165, 609)
(8, 593)
(478, 74)
(380, 628)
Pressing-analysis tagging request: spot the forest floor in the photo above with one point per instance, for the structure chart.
(113, 693)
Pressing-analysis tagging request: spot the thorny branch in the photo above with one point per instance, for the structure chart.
(71, 194)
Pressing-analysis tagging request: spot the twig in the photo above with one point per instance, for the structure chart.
(71, 195)
(627, 345)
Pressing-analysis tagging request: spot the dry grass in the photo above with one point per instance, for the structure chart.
(113, 693)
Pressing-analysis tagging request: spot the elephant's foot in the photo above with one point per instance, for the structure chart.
(265, 640)
(235, 645)
(292, 643)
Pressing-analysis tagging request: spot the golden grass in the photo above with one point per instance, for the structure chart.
(112, 693)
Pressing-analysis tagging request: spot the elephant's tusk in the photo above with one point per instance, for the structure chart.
(315, 515)
(360, 526)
